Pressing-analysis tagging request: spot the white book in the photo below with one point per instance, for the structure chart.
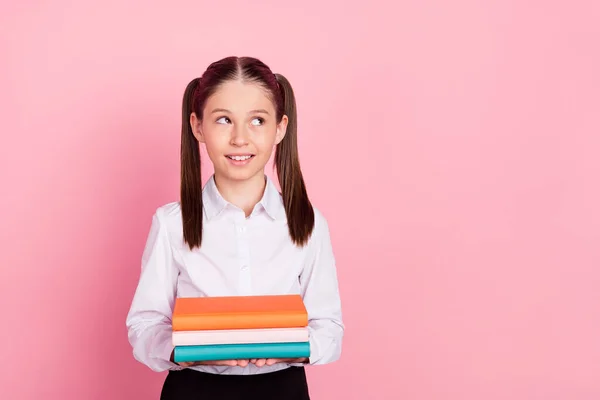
(239, 336)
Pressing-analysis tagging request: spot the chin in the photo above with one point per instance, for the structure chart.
(240, 174)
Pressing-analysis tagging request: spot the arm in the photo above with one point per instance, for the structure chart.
(149, 318)
(321, 297)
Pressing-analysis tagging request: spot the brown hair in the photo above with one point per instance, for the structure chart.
(298, 209)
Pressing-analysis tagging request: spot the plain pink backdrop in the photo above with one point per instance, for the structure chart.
(453, 146)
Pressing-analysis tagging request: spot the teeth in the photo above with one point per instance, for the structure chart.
(239, 158)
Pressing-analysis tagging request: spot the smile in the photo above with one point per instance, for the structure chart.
(240, 158)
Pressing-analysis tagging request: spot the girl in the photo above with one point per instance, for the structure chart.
(237, 235)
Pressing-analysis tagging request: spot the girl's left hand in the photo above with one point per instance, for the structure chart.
(259, 362)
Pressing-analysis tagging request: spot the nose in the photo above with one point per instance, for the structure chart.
(239, 136)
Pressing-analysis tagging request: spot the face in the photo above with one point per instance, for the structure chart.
(239, 129)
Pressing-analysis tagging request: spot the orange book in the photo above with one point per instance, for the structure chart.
(239, 312)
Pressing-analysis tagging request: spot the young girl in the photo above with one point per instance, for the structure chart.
(237, 235)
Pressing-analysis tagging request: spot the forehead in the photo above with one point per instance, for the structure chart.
(239, 97)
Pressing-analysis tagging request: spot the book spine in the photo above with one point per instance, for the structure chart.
(239, 321)
(233, 336)
(241, 351)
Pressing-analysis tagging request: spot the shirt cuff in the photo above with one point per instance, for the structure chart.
(164, 355)
(309, 358)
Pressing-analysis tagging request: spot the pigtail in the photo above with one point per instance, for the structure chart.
(191, 184)
(298, 209)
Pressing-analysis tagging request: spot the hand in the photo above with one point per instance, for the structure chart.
(228, 363)
(259, 362)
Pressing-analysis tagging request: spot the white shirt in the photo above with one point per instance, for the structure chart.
(238, 256)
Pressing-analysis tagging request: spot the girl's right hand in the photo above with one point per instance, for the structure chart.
(228, 363)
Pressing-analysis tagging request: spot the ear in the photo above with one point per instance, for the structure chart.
(281, 129)
(196, 125)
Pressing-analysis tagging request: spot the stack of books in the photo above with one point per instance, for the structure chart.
(239, 327)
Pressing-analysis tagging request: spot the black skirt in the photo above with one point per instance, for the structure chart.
(188, 384)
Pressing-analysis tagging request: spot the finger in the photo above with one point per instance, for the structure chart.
(272, 361)
(260, 362)
(253, 360)
(242, 363)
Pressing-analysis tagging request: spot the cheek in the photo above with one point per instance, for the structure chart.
(265, 140)
(215, 139)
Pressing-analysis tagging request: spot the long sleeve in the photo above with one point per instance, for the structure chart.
(322, 298)
(149, 318)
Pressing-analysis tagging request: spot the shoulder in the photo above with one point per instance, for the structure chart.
(169, 210)
(168, 216)
(320, 220)
(321, 227)
(163, 224)
(320, 245)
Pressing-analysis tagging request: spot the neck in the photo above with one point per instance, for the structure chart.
(242, 194)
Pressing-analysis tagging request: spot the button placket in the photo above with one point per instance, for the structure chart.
(245, 284)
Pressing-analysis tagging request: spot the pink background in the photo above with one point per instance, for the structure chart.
(453, 146)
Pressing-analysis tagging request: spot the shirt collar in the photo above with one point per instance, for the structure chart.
(271, 201)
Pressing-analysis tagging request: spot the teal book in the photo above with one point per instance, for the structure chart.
(214, 352)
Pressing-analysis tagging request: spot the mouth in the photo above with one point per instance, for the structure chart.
(240, 157)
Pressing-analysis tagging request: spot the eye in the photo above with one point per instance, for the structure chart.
(260, 121)
(220, 120)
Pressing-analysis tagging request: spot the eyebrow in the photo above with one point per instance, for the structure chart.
(257, 111)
